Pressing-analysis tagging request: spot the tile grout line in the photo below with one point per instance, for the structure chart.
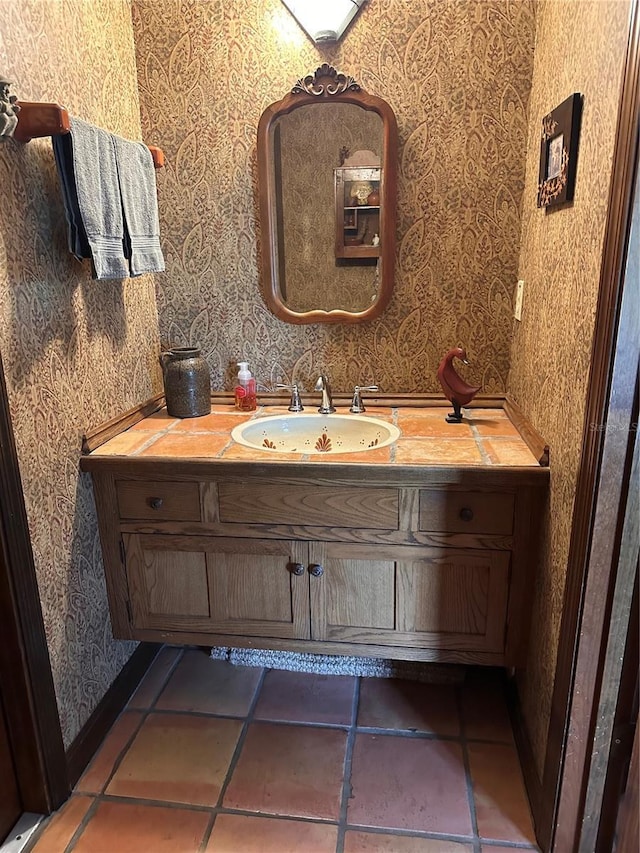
(425, 835)
(480, 444)
(467, 771)
(157, 434)
(347, 790)
(371, 730)
(215, 716)
(394, 445)
(207, 833)
(170, 674)
(213, 811)
(488, 840)
(93, 808)
(235, 758)
(317, 821)
(171, 805)
(466, 741)
(144, 713)
(100, 795)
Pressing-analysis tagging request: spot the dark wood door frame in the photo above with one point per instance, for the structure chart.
(611, 778)
(10, 802)
(25, 669)
(572, 774)
(628, 826)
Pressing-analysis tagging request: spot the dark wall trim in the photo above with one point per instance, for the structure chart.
(25, 668)
(108, 709)
(607, 314)
(97, 436)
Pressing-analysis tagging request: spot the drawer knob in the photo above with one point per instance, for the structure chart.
(316, 570)
(296, 569)
(466, 513)
(155, 503)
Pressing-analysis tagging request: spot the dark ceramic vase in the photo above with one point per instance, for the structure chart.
(187, 383)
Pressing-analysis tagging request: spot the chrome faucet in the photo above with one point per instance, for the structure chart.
(326, 407)
(357, 406)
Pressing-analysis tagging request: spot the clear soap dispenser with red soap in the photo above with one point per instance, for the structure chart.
(245, 392)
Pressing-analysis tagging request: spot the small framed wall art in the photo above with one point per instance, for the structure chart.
(559, 152)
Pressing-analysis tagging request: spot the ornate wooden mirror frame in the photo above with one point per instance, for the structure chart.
(326, 86)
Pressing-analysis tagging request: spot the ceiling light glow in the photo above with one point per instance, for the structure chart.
(324, 20)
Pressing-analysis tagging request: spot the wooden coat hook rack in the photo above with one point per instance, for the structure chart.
(37, 120)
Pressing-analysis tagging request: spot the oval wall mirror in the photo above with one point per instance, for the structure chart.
(327, 179)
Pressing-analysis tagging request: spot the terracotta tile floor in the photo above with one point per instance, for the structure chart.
(212, 758)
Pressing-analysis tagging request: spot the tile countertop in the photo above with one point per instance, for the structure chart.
(486, 437)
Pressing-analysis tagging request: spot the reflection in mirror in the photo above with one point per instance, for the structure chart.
(326, 168)
(309, 145)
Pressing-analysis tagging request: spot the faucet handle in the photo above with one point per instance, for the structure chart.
(295, 404)
(357, 406)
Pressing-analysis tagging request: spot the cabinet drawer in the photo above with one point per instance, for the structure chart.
(450, 511)
(324, 506)
(163, 501)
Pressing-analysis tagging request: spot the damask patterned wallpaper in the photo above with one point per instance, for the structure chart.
(579, 48)
(457, 75)
(76, 351)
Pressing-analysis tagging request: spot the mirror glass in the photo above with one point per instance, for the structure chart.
(326, 164)
(308, 146)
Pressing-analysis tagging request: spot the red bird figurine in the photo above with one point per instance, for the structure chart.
(454, 387)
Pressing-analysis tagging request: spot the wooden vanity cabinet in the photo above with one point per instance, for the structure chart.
(352, 562)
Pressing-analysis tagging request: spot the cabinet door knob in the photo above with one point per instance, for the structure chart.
(296, 569)
(155, 503)
(466, 513)
(316, 570)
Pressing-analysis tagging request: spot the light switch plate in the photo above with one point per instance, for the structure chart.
(517, 311)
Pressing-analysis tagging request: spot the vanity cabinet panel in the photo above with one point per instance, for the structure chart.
(254, 588)
(455, 599)
(353, 600)
(167, 585)
(163, 501)
(409, 596)
(329, 506)
(217, 585)
(454, 511)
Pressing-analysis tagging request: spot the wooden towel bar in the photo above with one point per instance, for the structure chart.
(36, 120)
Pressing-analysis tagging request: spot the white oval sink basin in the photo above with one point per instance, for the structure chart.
(300, 433)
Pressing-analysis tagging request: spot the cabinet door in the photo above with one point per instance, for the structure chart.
(454, 599)
(410, 596)
(218, 585)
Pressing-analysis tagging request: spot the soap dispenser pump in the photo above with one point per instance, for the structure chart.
(245, 392)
